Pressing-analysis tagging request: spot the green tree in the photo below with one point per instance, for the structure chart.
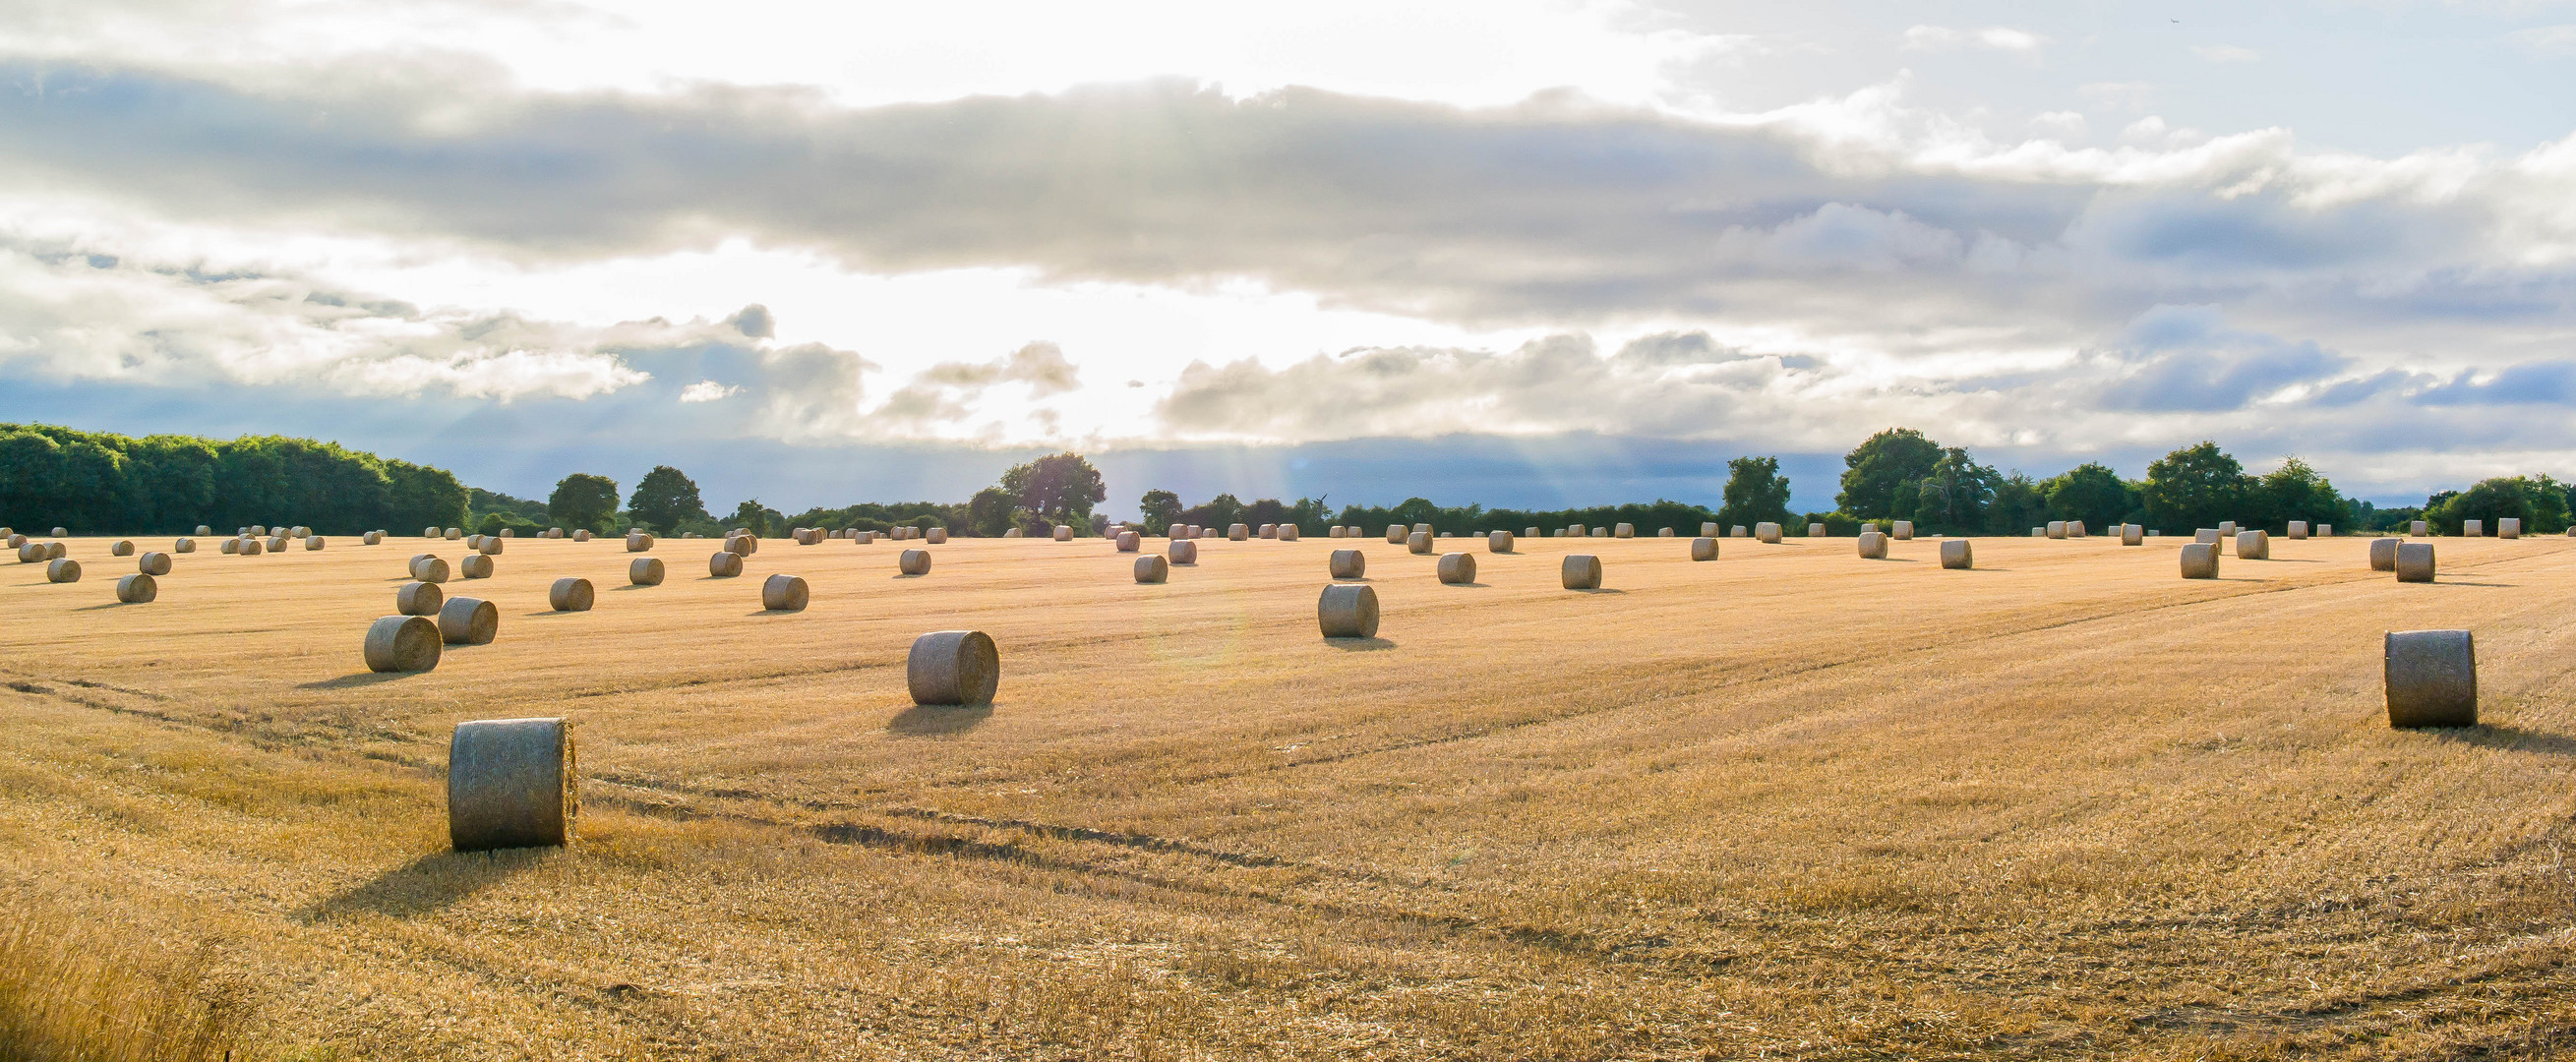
(664, 498)
(2194, 487)
(1755, 492)
(1162, 508)
(2296, 491)
(2540, 503)
(584, 500)
(1056, 489)
(757, 519)
(1957, 493)
(992, 512)
(2090, 492)
(1873, 470)
(2018, 506)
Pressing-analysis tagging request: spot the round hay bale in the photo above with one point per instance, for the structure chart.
(581, 536)
(204, 531)
(153, 563)
(475, 566)
(913, 562)
(1287, 532)
(2414, 562)
(2226, 529)
(725, 564)
(2207, 536)
(1904, 531)
(2297, 530)
(1395, 534)
(936, 536)
(1347, 610)
(419, 599)
(2473, 528)
(2509, 527)
(1153, 568)
(426, 532)
(1444, 534)
(60, 533)
(32, 553)
(2057, 529)
(1710, 530)
(956, 668)
(744, 545)
(314, 542)
(1185, 551)
(2431, 678)
(554, 532)
(455, 534)
(1348, 564)
(1581, 571)
(2132, 535)
(1418, 542)
(2253, 545)
(1334, 531)
(644, 571)
(639, 543)
(277, 545)
(1704, 548)
(1739, 531)
(62, 570)
(1873, 545)
(137, 589)
(1624, 531)
(230, 547)
(1237, 533)
(1956, 555)
(1012, 533)
(15, 541)
(1499, 542)
(1815, 530)
(2200, 560)
(1600, 532)
(429, 568)
(1457, 569)
(512, 783)
(570, 595)
(2075, 529)
(2383, 554)
(185, 545)
(301, 531)
(1767, 532)
(372, 538)
(468, 621)
(124, 547)
(1130, 542)
(490, 546)
(1064, 533)
(1269, 531)
(784, 593)
(54, 551)
(402, 643)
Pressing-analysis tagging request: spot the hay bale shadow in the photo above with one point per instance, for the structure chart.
(935, 720)
(359, 680)
(2506, 737)
(1359, 645)
(1598, 590)
(426, 885)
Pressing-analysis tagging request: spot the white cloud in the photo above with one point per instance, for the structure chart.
(1999, 38)
(2226, 53)
(708, 391)
(2545, 40)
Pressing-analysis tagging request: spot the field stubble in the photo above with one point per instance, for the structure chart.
(1788, 803)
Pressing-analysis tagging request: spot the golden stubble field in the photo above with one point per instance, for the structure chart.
(1789, 803)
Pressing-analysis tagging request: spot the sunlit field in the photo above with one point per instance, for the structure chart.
(1788, 803)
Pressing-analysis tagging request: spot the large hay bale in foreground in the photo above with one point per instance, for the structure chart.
(1499, 542)
(724, 564)
(1418, 542)
(123, 547)
(913, 562)
(402, 643)
(137, 589)
(570, 594)
(1347, 610)
(644, 571)
(2253, 545)
(1184, 551)
(512, 783)
(1873, 545)
(784, 593)
(419, 599)
(2200, 560)
(1767, 532)
(1153, 568)
(62, 570)
(1956, 554)
(1703, 548)
(2414, 562)
(958, 668)
(468, 621)
(2431, 678)
(1581, 571)
(1457, 569)
(2383, 554)
(475, 566)
(153, 563)
(428, 568)
(1348, 564)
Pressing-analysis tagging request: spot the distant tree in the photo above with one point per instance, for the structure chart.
(2540, 503)
(1220, 512)
(754, 517)
(2194, 487)
(2018, 505)
(584, 500)
(1956, 494)
(1874, 469)
(1755, 492)
(664, 498)
(1162, 508)
(2090, 492)
(991, 512)
(2296, 491)
(1056, 489)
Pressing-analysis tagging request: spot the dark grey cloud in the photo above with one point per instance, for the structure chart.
(2531, 383)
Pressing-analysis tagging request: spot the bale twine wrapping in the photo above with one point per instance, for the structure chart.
(1581, 571)
(2509, 527)
(468, 621)
(1873, 545)
(1904, 531)
(1347, 610)
(2472, 528)
(2431, 678)
(2253, 545)
(936, 536)
(2132, 535)
(1418, 542)
(581, 535)
(570, 594)
(2383, 554)
(1499, 542)
(2205, 536)
(1348, 564)
(475, 566)
(1457, 569)
(784, 593)
(1287, 532)
(62, 570)
(1767, 532)
(402, 643)
(957, 668)
(153, 563)
(137, 589)
(429, 568)
(1956, 554)
(1395, 534)
(725, 564)
(1624, 531)
(1153, 568)
(639, 543)
(1815, 530)
(2057, 529)
(2200, 561)
(2418, 529)
(124, 547)
(1704, 548)
(1185, 551)
(2414, 562)
(230, 547)
(644, 571)
(512, 783)
(1130, 542)
(419, 599)
(913, 562)
(2297, 530)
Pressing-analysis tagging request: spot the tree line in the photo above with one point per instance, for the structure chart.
(103, 483)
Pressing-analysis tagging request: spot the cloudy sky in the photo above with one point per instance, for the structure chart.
(1526, 254)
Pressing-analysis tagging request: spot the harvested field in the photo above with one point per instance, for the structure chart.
(1788, 803)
